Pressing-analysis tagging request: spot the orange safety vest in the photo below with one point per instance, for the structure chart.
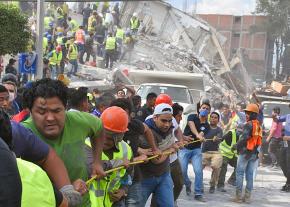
(80, 36)
(256, 138)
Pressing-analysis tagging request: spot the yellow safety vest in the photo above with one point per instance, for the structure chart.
(44, 44)
(74, 25)
(55, 59)
(134, 23)
(73, 55)
(110, 43)
(225, 149)
(120, 33)
(37, 189)
(91, 21)
(47, 20)
(99, 189)
(59, 41)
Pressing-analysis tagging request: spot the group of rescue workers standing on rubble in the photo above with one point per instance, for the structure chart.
(60, 146)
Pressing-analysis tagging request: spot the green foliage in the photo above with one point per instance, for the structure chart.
(14, 30)
(277, 11)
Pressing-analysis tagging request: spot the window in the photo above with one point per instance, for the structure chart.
(237, 19)
(236, 34)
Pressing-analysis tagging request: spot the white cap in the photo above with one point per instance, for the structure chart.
(163, 109)
(135, 14)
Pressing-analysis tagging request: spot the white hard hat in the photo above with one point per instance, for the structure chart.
(134, 14)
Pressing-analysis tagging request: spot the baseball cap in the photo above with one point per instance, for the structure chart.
(163, 109)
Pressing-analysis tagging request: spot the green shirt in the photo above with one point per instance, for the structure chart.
(70, 144)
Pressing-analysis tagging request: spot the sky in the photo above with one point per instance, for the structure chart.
(236, 7)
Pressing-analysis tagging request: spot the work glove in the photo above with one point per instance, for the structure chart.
(73, 197)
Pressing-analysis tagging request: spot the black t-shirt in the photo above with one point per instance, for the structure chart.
(211, 145)
(145, 112)
(10, 185)
(200, 127)
(136, 128)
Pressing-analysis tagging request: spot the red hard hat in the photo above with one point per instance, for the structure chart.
(58, 48)
(115, 119)
(163, 98)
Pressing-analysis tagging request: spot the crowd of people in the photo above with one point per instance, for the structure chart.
(68, 143)
(67, 42)
(75, 147)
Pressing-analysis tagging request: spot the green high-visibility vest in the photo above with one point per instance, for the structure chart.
(44, 44)
(59, 41)
(37, 189)
(74, 25)
(110, 43)
(225, 149)
(73, 55)
(134, 23)
(55, 59)
(100, 189)
(120, 33)
(47, 20)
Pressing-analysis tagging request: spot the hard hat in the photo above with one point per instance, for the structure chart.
(252, 108)
(134, 14)
(45, 34)
(59, 34)
(163, 98)
(58, 48)
(49, 37)
(50, 24)
(115, 119)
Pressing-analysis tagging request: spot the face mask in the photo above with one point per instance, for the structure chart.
(11, 97)
(203, 112)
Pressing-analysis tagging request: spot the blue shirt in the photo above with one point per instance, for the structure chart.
(27, 145)
(286, 119)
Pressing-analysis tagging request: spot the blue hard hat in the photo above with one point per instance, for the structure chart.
(49, 37)
(45, 34)
(50, 24)
(59, 34)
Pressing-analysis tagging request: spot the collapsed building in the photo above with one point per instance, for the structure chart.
(171, 40)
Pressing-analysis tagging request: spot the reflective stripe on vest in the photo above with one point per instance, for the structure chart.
(134, 23)
(111, 43)
(37, 189)
(120, 33)
(99, 189)
(225, 149)
(256, 137)
(55, 58)
(73, 55)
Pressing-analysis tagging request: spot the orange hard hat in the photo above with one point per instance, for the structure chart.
(58, 48)
(252, 108)
(163, 98)
(115, 119)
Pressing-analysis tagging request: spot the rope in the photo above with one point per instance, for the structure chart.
(88, 182)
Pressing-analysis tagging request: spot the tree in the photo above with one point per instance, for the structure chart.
(278, 28)
(14, 30)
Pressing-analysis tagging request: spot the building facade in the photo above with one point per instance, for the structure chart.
(256, 47)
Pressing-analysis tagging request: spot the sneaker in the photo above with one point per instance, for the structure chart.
(199, 198)
(286, 188)
(188, 190)
(211, 189)
(221, 189)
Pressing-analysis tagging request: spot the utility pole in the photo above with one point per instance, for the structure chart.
(39, 38)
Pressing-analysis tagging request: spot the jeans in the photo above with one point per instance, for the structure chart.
(162, 187)
(284, 162)
(246, 165)
(74, 68)
(134, 198)
(110, 58)
(185, 155)
(274, 149)
(232, 162)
